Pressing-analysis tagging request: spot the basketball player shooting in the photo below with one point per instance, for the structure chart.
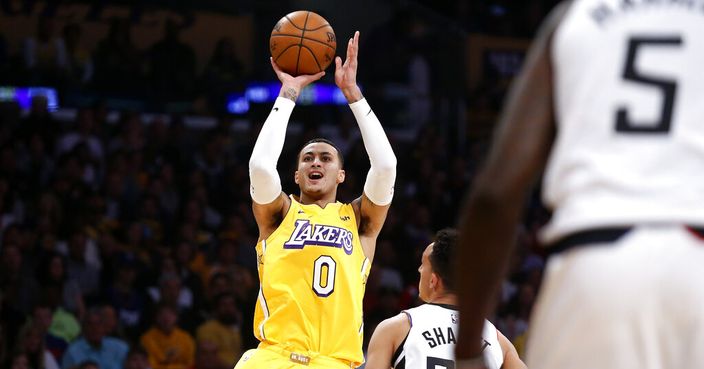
(609, 102)
(315, 253)
(425, 336)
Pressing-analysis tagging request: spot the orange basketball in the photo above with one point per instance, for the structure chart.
(302, 42)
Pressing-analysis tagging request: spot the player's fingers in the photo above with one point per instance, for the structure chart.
(338, 63)
(274, 65)
(317, 76)
(354, 46)
(350, 49)
(310, 78)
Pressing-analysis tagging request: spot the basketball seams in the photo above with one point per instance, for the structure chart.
(323, 26)
(300, 44)
(312, 54)
(304, 29)
(293, 24)
(284, 51)
(304, 38)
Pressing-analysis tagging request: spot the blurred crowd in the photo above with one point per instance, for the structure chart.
(165, 72)
(130, 244)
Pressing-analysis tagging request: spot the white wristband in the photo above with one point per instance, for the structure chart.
(265, 184)
(379, 187)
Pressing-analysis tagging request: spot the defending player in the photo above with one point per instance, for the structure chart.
(314, 252)
(425, 336)
(610, 100)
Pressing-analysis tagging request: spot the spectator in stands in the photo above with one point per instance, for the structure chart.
(18, 284)
(43, 316)
(37, 164)
(51, 270)
(151, 223)
(168, 346)
(118, 63)
(107, 352)
(219, 283)
(125, 296)
(39, 121)
(207, 357)
(190, 263)
(64, 324)
(223, 330)
(224, 261)
(11, 321)
(172, 64)
(137, 358)
(18, 360)
(222, 75)
(44, 55)
(84, 133)
(31, 342)
(79, 63)
(110, 321)
(83, 262)
(172, 291)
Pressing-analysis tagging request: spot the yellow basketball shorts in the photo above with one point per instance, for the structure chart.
(274, 357)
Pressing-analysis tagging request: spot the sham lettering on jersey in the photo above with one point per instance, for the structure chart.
(439, 336)
(319, 235)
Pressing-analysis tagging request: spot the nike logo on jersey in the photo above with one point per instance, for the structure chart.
(345, 218)
(319, 235)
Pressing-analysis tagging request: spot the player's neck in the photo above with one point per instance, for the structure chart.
(444, 298)
(321, 201)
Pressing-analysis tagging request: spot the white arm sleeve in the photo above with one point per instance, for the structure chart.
(265, 184)
(379, 186)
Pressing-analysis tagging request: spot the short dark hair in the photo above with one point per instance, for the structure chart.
(442, 256)
(323, 140)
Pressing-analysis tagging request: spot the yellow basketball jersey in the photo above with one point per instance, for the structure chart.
(313, 272)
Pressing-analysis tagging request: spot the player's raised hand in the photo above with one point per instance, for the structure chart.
(292, 86)
(346, 73)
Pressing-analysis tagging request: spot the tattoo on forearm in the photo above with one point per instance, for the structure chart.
(290, 93)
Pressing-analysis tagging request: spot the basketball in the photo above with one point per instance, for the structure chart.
(302, 42)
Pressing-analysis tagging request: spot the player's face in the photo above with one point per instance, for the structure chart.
(426, 283)
(319, 170)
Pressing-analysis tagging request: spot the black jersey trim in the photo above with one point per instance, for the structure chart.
(399, 349)
(698, 231)
(446, 306)
(601, 235)
(590, 236)
(399, 352)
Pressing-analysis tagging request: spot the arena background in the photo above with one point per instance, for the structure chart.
(124, 139)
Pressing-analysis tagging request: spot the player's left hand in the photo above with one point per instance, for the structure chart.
(346, 73)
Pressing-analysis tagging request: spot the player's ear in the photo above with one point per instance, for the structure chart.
(295, 177)
(340, 176)
(434, 279)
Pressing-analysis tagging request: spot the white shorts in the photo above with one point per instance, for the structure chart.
(636, 303)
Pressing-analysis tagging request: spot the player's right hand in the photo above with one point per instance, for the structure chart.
(299, 82)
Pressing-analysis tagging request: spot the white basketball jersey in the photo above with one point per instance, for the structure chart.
(432, 339)
(629, 104)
